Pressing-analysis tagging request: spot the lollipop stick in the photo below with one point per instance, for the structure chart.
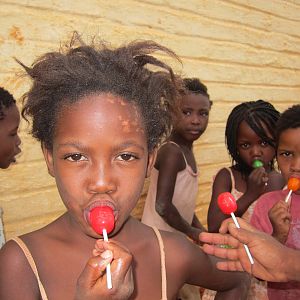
(288, 196)
(108, 272)
(245, 246)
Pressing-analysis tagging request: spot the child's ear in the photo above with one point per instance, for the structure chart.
(151, 161)
(49, 159)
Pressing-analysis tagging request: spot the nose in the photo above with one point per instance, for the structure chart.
(101, 179)
(256, 151)
(196, 119)
(295, 164)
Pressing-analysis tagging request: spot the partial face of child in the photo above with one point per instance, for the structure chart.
(9, 138)
(252, 147)
(99, 157)
(288, 153)
(192, 119)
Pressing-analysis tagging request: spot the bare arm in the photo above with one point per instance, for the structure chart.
(199, 269)
(17, 280)
(281, 264)
(222, 183)
(197, 224)
(169, 162)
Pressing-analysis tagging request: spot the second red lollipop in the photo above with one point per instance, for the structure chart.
(227, 203)
(228, 206)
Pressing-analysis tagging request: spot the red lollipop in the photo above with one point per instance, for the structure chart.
(102, 217)
(103, 222)
(228, 206)
(227, 203)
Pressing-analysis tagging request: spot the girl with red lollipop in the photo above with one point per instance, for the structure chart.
(100, 114)
(278, 212)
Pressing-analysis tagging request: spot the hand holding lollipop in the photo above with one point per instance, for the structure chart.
(103, 222)
(228, 206)
(293, 186)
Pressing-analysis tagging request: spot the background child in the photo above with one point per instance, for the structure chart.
(271, 214)
(9, 125)
(99, 115)
(171, 199)
(9, 139)
(250, 135)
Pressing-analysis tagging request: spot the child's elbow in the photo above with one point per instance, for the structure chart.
(161, 209)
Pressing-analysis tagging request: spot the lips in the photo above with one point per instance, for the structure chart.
(194, 131)
(99, 203)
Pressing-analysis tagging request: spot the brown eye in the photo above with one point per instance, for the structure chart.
(127, 157)
(75, 157)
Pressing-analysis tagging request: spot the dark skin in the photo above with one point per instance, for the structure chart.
(189, 125)
(250, 147)
(288, 154)
(108, 165)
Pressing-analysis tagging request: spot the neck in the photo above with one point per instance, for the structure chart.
(178, 139)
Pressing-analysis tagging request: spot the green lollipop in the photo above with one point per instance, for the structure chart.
(257, 164)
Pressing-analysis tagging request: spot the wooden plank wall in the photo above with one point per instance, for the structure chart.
(241, 49)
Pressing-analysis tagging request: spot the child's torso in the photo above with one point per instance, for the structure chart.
(59, 270)
(184, 198)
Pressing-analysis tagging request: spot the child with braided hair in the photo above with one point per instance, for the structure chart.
(250, 136)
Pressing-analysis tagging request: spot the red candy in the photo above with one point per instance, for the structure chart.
(294, 184)
(102, 217)
(227, 203)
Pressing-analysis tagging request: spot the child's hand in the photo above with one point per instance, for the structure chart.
(280, 218)
(91, 284)
(256, 183)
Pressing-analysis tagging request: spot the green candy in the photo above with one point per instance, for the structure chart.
(257, 164)
(225, 246)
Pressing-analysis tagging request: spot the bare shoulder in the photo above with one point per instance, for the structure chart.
(182, 255)
(15, 268)
(223, 174)
(222, 180)
(169, 154)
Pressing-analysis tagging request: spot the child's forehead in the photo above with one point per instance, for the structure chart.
(11, 114)
(96, 111)
(102, 102)
(290, 137)
(246, 132)
(195, 99)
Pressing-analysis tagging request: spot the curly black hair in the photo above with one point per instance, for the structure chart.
(63, 77)
(6, 101)
(290, 118)
(195, 86)
(255, 114)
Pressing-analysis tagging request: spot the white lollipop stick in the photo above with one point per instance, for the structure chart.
(108, 272)
(288, 196)
(245, 246)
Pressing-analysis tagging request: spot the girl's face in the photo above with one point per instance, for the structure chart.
(99, 158)
(192, 119)
(250, 146)
(9, 138)
(288, 153)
